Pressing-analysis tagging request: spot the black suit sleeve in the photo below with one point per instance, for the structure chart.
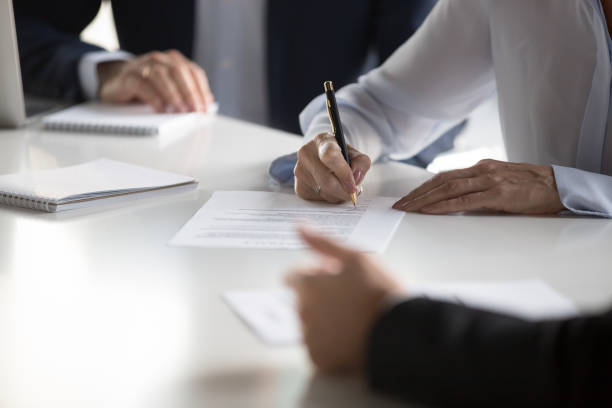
(49, 45)
(450, 355)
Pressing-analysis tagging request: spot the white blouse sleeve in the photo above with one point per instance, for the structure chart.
(583, 192)
(429, 84)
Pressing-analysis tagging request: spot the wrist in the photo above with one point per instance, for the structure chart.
(108, 70)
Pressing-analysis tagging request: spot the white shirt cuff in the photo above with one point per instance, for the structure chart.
(583, 192)
(88, 69)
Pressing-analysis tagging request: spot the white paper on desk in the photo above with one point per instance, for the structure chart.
(257, 219)
(528, 299)
(272, 316)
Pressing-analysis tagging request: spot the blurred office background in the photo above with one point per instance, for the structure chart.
(481, 139)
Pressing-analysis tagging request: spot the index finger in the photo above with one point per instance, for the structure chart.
(187, 87)
(360, 164)
(331, 156)
(323, 245)
(203, 86)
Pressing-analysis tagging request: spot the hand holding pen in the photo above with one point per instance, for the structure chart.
(326, 172)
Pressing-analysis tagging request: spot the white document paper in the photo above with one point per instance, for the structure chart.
(256, 219)
(272, 315)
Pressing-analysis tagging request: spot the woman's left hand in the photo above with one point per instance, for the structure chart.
(489, 185)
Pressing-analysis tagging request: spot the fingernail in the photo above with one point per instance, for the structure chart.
(358, 175)
(409, 205)
(402, 202)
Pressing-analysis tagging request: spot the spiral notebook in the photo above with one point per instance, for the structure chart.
(96, 117)
(88, 184)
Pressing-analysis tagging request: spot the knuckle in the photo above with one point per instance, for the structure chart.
(491, 179)
(497, 178)
(159, 70)
(484, 167)
(301, 152)
(320, 138)
(438, 178)
(155, 56)
(298, 170)
(327, 153)
(174, 53)
(485, 161)
(488, 165)
(453, 186)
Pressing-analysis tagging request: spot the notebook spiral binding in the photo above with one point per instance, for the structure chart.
(25, 201)
(108, 128)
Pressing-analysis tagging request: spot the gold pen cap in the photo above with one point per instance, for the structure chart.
(328, 85)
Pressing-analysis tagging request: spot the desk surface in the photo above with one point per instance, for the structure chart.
(96, 310)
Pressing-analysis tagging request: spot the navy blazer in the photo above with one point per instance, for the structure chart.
(304, 48)
(448, 355)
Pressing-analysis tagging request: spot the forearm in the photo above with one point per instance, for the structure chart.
(449, 355)
(372, 128)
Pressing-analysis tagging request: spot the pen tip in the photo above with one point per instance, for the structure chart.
(354, 199)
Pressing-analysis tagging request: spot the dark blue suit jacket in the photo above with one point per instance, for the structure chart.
(304, 47)
(449, 355)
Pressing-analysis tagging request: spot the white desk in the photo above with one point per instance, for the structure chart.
(97, 311)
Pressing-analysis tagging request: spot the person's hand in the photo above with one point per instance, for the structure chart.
(339, 301)
(489, 185)
(321, 173)
(167, 81)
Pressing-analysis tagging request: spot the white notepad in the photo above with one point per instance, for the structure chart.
(87, 184)
(272, 314)
(138, 119)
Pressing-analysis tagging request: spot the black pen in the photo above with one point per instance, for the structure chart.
(334, 118)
